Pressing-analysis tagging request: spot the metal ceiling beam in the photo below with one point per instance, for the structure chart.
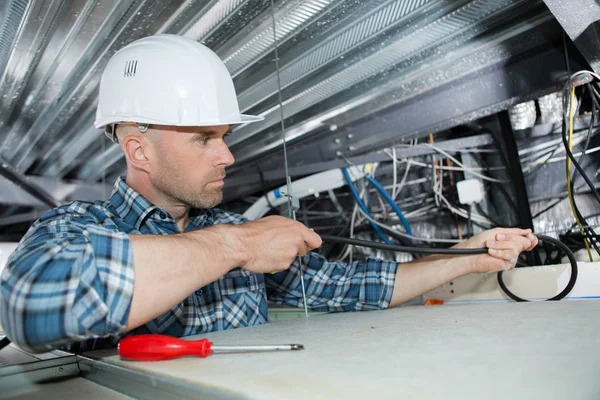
(62, 191)
(22, 217)
(581, 21)
(407, 151)
(25, 184)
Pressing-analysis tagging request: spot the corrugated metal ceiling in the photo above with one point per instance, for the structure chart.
(339, 63)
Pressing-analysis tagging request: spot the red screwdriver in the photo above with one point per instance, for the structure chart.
(153, 347)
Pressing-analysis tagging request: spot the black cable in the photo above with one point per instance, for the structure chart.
(405, 249)
(567, 109)
(586, 217)
(469, 221)
(559, 199)
(582, 220)
(403, 240)
(4, 342)
(591, 128)
(551, 206)
(570, 284)
(566, 145)
(401, 249)
(587, 229)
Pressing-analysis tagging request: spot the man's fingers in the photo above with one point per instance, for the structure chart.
(509, 255)
(533, 239)
(303, 250)
(523, 241)
(312, 240)
(514, 231)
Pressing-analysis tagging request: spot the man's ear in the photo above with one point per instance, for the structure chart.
(136, 151)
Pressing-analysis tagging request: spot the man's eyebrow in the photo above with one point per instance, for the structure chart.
(213, 133)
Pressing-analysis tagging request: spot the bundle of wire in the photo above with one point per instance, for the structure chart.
(589, 236)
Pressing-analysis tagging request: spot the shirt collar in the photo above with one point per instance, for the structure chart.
(130, 206)
(134, 209)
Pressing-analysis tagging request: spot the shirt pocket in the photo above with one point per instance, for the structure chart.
(243, 299)
(240, 281)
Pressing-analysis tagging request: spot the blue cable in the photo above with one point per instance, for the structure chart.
(392, 203)
(362, 206)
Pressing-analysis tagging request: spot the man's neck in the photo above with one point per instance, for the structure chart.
(179, 212)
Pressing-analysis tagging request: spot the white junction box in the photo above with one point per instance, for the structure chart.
(470, 191)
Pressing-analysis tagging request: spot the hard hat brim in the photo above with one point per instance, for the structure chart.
(243, 119)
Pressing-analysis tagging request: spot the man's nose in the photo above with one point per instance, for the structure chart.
(224, 156)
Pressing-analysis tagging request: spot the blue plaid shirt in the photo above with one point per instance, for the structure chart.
(71, 279)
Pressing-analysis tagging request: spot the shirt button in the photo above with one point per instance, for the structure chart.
(248, 282)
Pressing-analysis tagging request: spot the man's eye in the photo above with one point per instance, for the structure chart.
(202, 140)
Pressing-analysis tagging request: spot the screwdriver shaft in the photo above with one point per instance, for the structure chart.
(255, 349)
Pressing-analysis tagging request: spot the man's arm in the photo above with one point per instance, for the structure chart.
(425, 274)
(170, 268)
(73, 279)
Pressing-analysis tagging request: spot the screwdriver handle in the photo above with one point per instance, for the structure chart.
(153, 347)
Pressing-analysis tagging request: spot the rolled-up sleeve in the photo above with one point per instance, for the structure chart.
(70, 279)
(334, 286)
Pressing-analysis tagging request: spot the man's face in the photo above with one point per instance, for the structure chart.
(189, 163)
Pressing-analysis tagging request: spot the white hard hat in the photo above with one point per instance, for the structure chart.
(168, 80)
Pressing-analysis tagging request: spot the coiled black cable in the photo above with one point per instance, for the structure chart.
(483, 250)
(570, 284)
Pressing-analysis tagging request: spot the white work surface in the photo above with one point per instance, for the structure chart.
(542, 350)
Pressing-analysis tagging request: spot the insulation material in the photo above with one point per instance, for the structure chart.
(559, 219)
(522, 116)
(551, 108)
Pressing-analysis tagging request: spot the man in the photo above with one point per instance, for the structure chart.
(157, 257)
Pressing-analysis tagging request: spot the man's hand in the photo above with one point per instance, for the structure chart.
(504, 246)
(271, 244)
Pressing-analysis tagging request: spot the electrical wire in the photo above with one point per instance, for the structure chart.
(401, 249)
(566, 144)
(421, 239)
(572, 279)
(424, 250)
(570, 96)
(569, 185)
(395, 173)
(447, 155)
(362, 206)
(391, 202)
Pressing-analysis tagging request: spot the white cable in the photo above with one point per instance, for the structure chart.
(391, 229)
(403, 181)
(582, 72)
(487, 178)
(449, 168)
(562, 158)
